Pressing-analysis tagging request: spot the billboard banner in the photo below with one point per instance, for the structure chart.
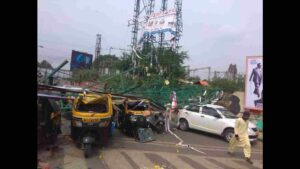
(254, 83)
(81, 60)
(161, 22)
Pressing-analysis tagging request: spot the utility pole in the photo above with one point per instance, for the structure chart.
(163, 9)
(135, 30)
(110, 50)
(151, 5)
(179, 24)
(98, 48)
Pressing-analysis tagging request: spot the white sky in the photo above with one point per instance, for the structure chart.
(216, 33)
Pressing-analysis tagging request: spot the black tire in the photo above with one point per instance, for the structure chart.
(183, 125)
(87, 150)
(228, 134)
(160, 127)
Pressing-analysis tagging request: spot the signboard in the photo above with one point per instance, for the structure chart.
(254, 83)
(161, 22)
(81, 60)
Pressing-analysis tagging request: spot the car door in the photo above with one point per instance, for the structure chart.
(208, 121)
(191, 114)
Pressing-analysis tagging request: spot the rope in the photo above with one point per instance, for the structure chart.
(180, 140)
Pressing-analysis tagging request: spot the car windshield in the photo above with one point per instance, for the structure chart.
(227, 113)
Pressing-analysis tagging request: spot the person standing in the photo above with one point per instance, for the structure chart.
(257, 78)
(241, 137)
(234, 107)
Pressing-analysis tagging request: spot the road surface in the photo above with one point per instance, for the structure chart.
(125, 153)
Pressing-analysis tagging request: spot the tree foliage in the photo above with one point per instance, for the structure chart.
(163, 61)
(81, 75)
(229, 86)
(45, 64)
(106, 61)
(125, 62)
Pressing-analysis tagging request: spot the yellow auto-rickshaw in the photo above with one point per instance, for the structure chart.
(134, 116)
(92, 115)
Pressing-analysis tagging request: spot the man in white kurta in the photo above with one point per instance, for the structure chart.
(241, 138)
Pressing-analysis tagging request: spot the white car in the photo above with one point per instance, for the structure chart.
(213, 119)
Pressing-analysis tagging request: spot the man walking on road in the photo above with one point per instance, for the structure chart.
(241, 138)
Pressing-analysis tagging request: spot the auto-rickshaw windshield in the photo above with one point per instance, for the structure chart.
(138, 105)
(96, 106)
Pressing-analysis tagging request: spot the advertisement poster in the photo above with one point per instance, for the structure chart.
(161, 22)
(254, 83)
(81, 60)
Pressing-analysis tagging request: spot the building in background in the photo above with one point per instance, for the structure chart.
(232, 72)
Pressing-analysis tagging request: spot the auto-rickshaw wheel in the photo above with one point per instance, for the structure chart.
(87, 150)
(160, 128)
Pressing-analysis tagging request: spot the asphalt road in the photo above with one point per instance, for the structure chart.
(124, 152)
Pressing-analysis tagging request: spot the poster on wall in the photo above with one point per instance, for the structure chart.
(80, 60)
(254, 83)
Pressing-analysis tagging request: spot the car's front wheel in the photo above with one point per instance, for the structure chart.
(183, 124)
(228, 134)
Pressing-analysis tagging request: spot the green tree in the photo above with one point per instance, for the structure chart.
(81, 75)
(240, 83)
(153, 60)
(172, 63)
(125, 62)
(103, 61)
(229, 86)
(45, 64)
